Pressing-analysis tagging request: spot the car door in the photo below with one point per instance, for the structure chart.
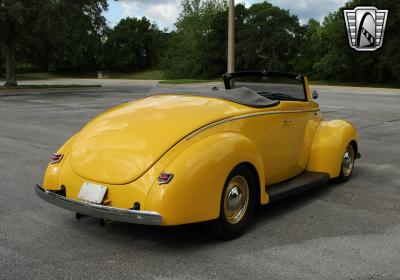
(300, 124)
(287, 133)
(269, 143)
(295, 145)
(266, 130)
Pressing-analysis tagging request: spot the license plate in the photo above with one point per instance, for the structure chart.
(92, 193)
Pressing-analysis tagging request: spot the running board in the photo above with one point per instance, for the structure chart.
(303, 182)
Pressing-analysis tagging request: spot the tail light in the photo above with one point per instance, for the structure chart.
(56, 158)
(165, 178)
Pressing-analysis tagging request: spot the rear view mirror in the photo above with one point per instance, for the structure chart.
(315, 94)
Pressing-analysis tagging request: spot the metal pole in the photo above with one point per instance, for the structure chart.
(231, 37)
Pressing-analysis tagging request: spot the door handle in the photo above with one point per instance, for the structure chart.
(289, 120)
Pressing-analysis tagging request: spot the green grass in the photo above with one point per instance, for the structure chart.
(353, 84)
(3, 88)
(189, 81)
(49, 76)
(143, 75)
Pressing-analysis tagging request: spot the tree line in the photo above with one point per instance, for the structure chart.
(73, 36)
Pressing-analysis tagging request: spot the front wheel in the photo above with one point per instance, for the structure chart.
(347, 166)
(237, 203)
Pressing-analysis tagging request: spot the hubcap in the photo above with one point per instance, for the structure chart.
(236, 199)
(348, 161)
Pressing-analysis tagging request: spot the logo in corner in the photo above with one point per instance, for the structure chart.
(365, 28)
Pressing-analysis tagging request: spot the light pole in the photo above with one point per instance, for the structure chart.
(231, 37)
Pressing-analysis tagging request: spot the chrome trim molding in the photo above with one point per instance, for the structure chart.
(100, 211)
(193, 134)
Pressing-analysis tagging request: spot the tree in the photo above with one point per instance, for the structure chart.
(72, 39)
(270, 39)
(2, 66)
(14, 17)
(335, 62)
(62, 34)
(267, 37)
(310, 50)
(388, 66)
(134, 44)
(197, 47)
(339, 62)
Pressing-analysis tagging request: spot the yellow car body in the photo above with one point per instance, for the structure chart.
(199, 140)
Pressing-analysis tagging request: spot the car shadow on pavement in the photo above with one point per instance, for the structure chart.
(194, 236)
(293, 203)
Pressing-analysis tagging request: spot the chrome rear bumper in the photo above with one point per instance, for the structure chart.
(100, 211)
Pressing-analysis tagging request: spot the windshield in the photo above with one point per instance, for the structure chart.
(275, 87)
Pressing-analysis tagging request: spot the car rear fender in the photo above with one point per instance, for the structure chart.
(50, 180)
(329, 145)
(200, 172)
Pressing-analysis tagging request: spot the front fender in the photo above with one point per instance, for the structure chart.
(200, 172)
(329, 145)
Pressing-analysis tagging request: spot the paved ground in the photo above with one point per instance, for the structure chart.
(349, 231)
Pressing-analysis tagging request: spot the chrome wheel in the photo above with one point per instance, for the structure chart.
(348, 161)
(236, 199)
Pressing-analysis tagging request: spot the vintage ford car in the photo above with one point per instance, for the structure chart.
(188, 157)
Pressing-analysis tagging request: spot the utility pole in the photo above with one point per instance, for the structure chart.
(231, 37)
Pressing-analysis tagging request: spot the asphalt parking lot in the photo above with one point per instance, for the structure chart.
(348, 231)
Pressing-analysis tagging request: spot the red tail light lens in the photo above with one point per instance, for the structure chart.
(165, 178)
(56, 158)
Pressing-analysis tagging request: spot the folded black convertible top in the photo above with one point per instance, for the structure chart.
(243, 96)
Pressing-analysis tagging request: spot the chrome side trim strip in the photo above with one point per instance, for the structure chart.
(193, 134)
(100, 211)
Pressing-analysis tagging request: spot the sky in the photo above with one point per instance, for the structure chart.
(165, 12)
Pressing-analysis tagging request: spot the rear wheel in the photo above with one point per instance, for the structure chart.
(237, 203)
(347, 166)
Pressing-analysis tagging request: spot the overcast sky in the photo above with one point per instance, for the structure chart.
(165, 12)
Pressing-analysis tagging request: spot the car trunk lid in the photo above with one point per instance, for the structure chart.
(120, 145)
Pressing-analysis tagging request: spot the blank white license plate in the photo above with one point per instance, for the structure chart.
(92, 193)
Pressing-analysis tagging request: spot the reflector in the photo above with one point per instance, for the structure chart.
(165, 178)
(56, 158)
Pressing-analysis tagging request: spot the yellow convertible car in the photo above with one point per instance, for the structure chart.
(188, 157)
